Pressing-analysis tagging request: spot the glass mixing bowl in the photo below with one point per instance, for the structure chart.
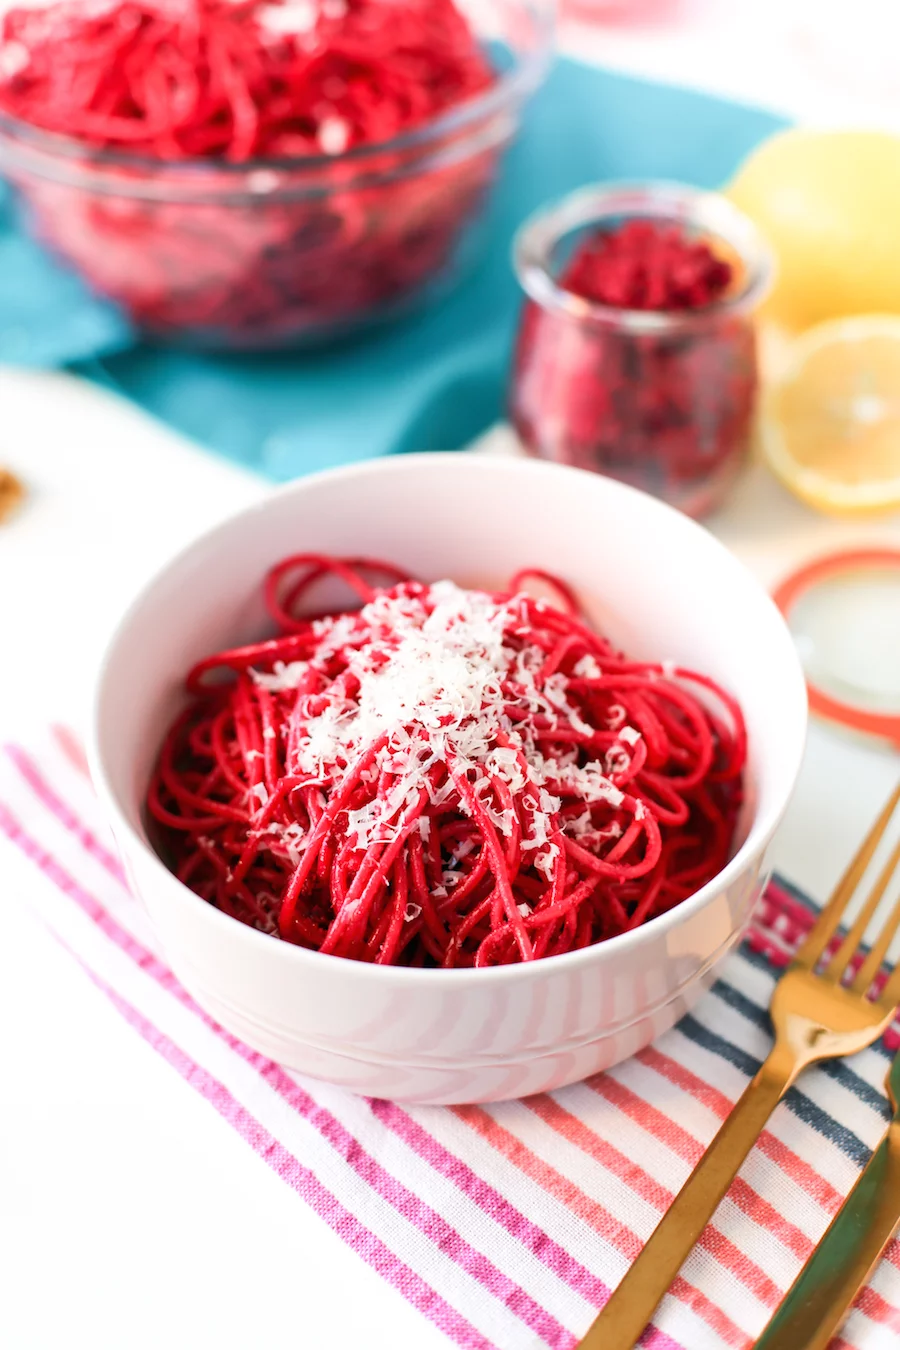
(274, 253)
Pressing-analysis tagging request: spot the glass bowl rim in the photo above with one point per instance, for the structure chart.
(664, 200)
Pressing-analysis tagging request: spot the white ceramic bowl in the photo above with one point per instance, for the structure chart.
(655, 581)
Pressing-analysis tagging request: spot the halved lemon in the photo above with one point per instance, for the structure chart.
(830, 425)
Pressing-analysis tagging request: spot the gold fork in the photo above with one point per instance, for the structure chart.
(815, 1016)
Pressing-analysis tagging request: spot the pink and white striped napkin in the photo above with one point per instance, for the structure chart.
(506, 1226)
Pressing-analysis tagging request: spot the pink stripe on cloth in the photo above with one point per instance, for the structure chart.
(553, 1256)
(800, 1172)
(407, 1204)
(574, 1131)
(431, 1224)
(63, 812)
(598, 1217)
(71, 747)
(365, 1243)
(782, 923)
(690, 1150)
(403, 1200)
(92, 907)
(489, 1200)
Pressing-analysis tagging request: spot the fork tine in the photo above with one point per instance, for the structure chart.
(872, 963)
(851, 943)
(829, 920)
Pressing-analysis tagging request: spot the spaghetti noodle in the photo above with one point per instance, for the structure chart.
(444, 777)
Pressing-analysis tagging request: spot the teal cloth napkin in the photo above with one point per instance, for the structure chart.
(432, 381)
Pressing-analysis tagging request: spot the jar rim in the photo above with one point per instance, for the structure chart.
(536, 239)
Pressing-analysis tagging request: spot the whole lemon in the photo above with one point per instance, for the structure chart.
(828, 202)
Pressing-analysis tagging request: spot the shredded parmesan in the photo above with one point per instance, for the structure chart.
(587, 669)
(282, 676)
(334, 135)
(294, 16)
(447, 681)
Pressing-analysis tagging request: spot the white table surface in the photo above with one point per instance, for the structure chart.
(102, 1145)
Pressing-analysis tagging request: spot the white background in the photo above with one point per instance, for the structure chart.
(131, 1216)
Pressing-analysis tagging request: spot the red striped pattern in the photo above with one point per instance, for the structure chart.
(300, 1179)
(593, 1213)
(660, 1197)
(511, 1199)
(690, 1150)
(369, 1170)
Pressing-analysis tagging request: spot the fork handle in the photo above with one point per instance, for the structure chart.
(630, 1307)
(820, 1297)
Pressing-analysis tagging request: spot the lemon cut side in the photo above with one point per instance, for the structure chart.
(830, 426)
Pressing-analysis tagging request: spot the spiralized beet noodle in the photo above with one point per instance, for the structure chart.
(184, 240)
(444, 777)
(237, 79)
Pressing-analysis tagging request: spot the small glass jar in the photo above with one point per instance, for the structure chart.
(663, 400)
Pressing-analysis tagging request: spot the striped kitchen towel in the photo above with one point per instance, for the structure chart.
(505, 1225)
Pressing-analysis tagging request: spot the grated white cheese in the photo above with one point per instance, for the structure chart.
(577, 827)
(617, 761)
(334, 135)
(582, 829)
(291, 839)
(544, 861)
(293, 16)
(14, 57)
(283, 675)
(590, 782)
(587, 669)
(443, 678)
(262, 181)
